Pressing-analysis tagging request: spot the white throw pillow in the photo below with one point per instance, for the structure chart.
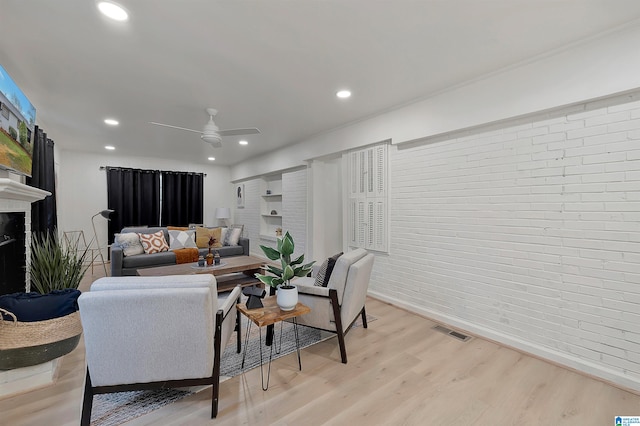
(182, 239)
(231, 236)
(130, 243)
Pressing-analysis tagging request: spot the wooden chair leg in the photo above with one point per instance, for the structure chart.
(87, 401)
(364, 318)
(333, 294)
(214, 398)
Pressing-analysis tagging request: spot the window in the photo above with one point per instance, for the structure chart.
(368, 198)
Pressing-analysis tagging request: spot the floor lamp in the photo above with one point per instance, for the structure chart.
(107, 215)
(223, 213)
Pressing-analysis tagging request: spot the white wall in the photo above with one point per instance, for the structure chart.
(82, 188)
(294, 209)
(249, 216)
(325, 220)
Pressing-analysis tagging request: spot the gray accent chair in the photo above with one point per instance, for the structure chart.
(336, 307)
(155, 332)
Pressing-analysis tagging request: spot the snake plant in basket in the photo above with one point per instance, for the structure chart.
(40, 326)
(280, 277)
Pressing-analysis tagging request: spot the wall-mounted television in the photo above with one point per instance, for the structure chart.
(17, 122)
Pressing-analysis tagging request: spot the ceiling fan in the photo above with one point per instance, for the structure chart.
(211, 133)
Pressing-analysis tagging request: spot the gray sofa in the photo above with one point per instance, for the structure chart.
(128, 265)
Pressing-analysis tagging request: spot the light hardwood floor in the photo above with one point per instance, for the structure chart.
(400, 372)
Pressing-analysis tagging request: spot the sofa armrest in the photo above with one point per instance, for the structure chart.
(244, 242)
(307, 287)
(230, 301)
(230, 318)
(117, 254)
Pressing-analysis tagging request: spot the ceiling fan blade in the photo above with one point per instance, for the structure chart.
(238, 132)
(176, 127)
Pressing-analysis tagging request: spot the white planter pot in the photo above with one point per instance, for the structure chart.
(287, 298)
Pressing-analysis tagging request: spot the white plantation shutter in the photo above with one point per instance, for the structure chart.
(367, 198)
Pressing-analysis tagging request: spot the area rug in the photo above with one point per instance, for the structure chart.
(117, 408)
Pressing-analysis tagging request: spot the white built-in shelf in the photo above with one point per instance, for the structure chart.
(272, 215)
(271, 195)
(268, 237)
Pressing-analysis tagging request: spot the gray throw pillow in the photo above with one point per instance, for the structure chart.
(324, 274)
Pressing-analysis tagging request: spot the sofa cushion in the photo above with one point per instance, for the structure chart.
(324, 274)
(154, 243)
(130, 243)
(224, 251)
(145, 260)
(204, 234)
(182, 239)
(29, 307)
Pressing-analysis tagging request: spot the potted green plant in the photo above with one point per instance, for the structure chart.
(55, 265)
(280, 277)
(44, 324)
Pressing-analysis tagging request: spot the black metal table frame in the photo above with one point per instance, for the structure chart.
(271, 346)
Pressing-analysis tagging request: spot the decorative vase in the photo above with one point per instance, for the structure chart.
(216, 258)
(287, 297)
(209, 258)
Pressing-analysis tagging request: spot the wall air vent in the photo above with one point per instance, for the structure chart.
(457, 335)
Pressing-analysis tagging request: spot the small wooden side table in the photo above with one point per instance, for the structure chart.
(268, 315)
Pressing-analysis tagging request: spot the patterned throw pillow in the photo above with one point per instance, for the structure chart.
(130, 243)
(182, 239)
(231, 236)
(324, 274)
(203, 235)
(154, 243)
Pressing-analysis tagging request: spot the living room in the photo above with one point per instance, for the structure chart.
(512, 203)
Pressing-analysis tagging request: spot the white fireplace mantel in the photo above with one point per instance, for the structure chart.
(13, 190)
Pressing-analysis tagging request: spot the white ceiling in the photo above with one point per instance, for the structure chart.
(275, 65)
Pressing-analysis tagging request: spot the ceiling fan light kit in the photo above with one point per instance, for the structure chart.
(211, 133)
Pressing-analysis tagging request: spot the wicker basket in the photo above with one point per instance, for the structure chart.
(30, 343)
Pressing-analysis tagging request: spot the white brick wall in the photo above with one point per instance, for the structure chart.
(294, 208)
(294, 211)
(527, 233)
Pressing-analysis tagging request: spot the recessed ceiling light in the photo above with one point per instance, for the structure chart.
(110, 147)
(243, 143)
(113, 11)
(343, 94)
(211, 158)
(111, 122)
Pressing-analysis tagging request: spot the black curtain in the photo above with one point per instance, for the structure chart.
(43, 212)
(134, 195)
(182, 195)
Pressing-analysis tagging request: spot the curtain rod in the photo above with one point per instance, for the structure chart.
(148, 170)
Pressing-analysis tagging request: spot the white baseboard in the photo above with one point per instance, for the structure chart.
(566, 360)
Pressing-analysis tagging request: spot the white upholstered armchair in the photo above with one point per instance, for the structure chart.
(154, 332)
(336, 306)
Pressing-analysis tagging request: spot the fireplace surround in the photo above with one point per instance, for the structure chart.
(16, 198)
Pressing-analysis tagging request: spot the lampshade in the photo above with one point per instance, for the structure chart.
(107, 213)
(223, 213)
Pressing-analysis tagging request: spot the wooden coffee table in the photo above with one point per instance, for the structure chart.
(233, 271)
